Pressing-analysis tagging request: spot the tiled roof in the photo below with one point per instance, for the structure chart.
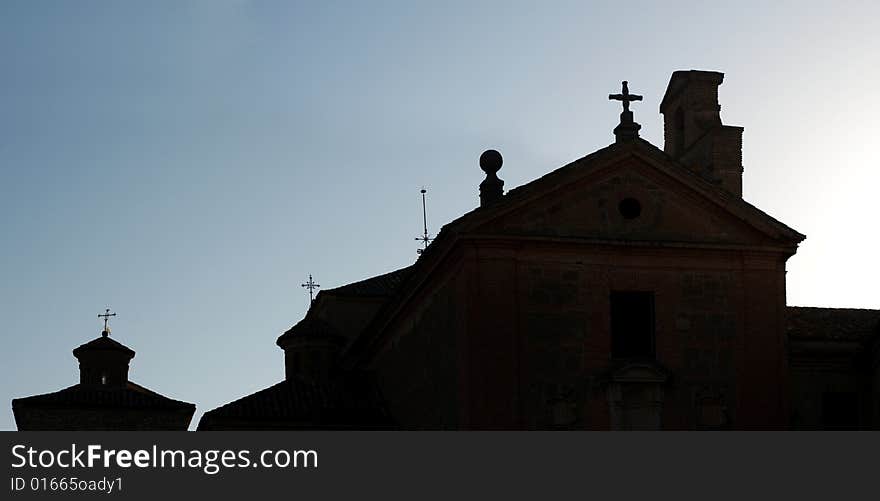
(836, 324)
(132, 396)
(103, 343)
(349, 402)
(378, 286)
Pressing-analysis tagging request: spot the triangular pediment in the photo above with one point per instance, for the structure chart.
(631, 196)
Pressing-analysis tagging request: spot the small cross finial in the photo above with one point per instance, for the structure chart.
(106, 316)
(311, 286)
(425, 238)
(628, 129)
(625, 97)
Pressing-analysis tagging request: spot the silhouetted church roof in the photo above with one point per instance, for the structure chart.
(734, 205)
(132, 396)
(551, 180)
(311, 327)
(381, 285)
(837, 324)
(102, 343)
(304, 403)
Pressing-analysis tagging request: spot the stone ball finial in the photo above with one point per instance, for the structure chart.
(490, 161)
(492, 188)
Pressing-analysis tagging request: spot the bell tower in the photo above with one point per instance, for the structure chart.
(103, 362)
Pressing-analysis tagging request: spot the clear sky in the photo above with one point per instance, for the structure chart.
(188, 164)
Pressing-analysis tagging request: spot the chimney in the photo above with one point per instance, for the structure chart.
(693, 132)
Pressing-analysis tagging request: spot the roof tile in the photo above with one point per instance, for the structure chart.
(132, 396)
(834, 324)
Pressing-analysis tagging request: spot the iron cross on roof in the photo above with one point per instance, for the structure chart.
(625, 97)
(311, 286)
(106, 316)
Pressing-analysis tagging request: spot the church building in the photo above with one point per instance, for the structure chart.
(104, 399)
(633, 288)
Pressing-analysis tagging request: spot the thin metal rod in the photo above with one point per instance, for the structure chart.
(425, 238)
(424, 216)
